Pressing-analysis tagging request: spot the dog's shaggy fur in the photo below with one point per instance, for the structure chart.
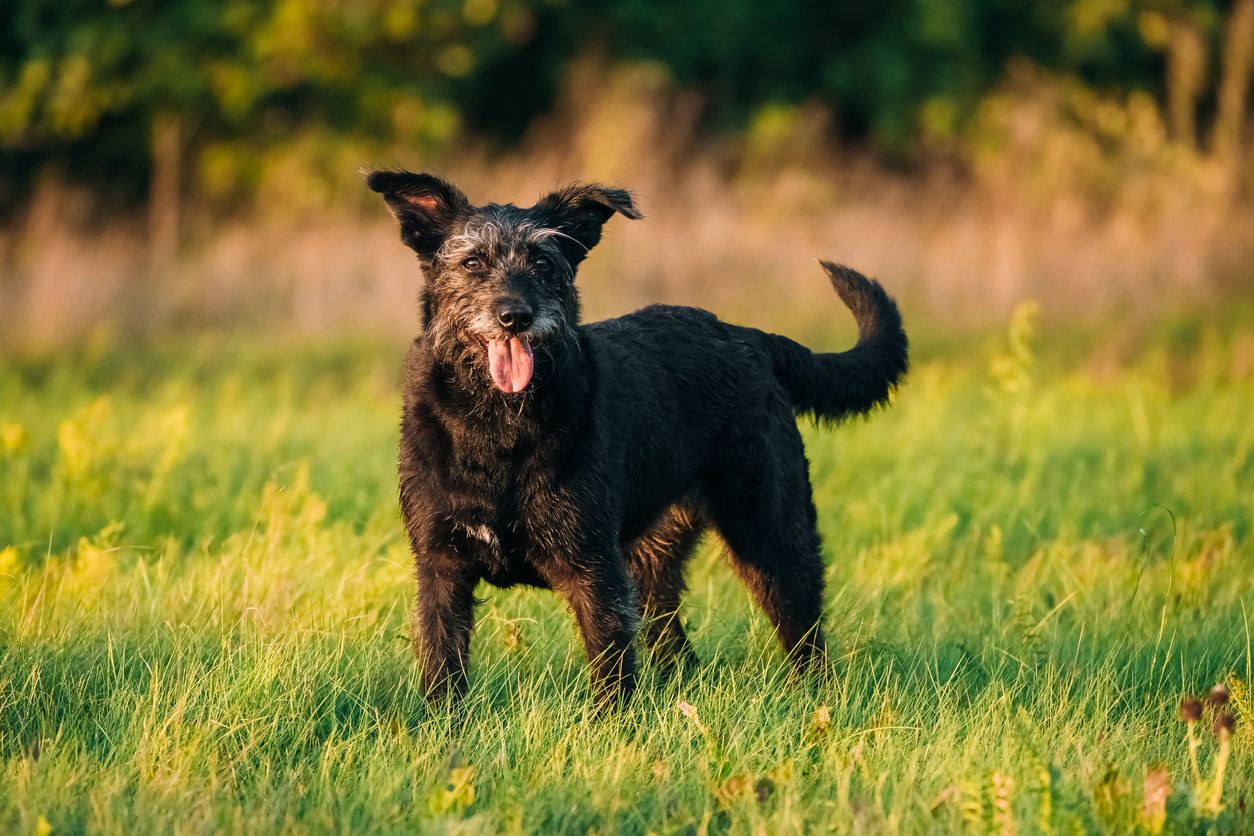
(589, 459)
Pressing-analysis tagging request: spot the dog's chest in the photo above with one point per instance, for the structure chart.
(500, 498)
(481, 533)
(510, 532)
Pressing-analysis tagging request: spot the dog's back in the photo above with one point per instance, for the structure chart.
(690, 355)
(680, 391)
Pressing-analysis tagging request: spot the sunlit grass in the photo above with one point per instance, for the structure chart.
(205, 588)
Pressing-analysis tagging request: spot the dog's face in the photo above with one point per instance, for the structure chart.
(500, 278)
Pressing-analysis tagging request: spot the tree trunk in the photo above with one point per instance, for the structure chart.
(1186, 70)
(1234, 87)
(163, 195)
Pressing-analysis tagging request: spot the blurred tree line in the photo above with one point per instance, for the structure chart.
(144, 100)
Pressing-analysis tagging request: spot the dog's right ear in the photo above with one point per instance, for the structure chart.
(425, 206)
(578, 212)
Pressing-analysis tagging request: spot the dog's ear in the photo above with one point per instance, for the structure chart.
(425, 206)
(578, 212)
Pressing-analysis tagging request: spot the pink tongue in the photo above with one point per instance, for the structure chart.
(510, 362)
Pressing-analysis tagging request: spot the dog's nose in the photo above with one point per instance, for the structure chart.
(515, 316)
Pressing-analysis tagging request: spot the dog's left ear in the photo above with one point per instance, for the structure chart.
(579, 211)
(425, 206)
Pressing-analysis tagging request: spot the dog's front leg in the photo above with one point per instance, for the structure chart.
(446, 600)
(604, 603)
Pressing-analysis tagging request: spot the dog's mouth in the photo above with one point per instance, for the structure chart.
(510, 362)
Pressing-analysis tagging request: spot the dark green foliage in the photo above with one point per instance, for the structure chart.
(81, 83)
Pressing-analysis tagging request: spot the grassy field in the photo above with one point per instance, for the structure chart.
(1033, 556)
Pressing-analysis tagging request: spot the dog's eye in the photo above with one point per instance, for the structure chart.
(541, 262)
(473, 264)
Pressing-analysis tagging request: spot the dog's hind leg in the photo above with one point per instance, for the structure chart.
(656, 561)
(762, 506)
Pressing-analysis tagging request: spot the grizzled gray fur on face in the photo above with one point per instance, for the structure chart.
(589, 459)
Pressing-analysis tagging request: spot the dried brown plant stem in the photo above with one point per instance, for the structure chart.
(1194, 743)
(1214, 799)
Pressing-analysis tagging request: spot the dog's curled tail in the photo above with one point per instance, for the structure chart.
(836, 385)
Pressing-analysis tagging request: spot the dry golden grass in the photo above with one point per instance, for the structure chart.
(1059, 195)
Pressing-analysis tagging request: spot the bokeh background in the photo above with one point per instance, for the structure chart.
(195, 165)
(1032, 555)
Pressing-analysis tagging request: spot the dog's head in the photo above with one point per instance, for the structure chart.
(500, 278)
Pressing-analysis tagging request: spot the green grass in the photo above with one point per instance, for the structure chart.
(205, 595)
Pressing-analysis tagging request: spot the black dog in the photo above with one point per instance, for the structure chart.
(588, 459)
